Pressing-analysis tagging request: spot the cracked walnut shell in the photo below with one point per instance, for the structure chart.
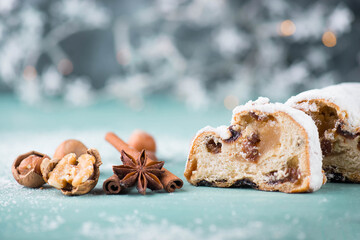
(26, 169)
(73, 175)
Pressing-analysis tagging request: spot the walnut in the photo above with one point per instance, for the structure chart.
(70, 146)
(26, 169)
(73, 175)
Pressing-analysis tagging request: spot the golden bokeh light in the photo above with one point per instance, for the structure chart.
(230, 102)
(29, 73)
(287, 28)
(65, 67)
(329, 39)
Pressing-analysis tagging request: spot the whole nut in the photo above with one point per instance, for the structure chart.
(70, 146)
(64, 174)
(26, 169)
(142, 140)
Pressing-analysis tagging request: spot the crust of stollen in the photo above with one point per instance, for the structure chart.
(190, 161)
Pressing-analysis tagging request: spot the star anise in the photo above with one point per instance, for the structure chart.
(145, 173)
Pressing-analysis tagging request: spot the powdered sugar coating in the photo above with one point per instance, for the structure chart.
(222, 131)
(345, 95)
(264, 105)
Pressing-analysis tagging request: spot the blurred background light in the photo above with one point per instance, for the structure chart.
(65, 67)
(231, 101)
(123, 57)
(329, 39)
(287, 28)
(30, 73)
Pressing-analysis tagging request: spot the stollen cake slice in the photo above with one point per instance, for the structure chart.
(270, 147)
(336, 112)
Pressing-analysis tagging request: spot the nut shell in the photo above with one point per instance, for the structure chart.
(48, 165)
(142, 140)
(31, 179)
(70, 146)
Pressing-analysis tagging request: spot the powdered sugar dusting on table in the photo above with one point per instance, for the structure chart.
(264, 105)
(136, 226)
(344, 95)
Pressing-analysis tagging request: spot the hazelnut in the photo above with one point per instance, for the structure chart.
(26, 169)
(31, 162)
(142, 140)
(73, 175)
(70, 146)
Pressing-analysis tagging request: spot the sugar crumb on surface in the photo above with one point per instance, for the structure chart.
(135, 227)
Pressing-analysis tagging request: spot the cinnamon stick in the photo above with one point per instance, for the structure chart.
(112, 185)
(168, 179)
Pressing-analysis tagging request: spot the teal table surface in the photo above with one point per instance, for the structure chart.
(333, 212)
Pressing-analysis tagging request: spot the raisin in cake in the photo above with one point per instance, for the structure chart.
(271, 147)
(336, 112)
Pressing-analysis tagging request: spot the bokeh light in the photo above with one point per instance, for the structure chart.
(231, 101)
(65, 67)
(287, 28)
(123, 57)
(329, 39)
(29, 73)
